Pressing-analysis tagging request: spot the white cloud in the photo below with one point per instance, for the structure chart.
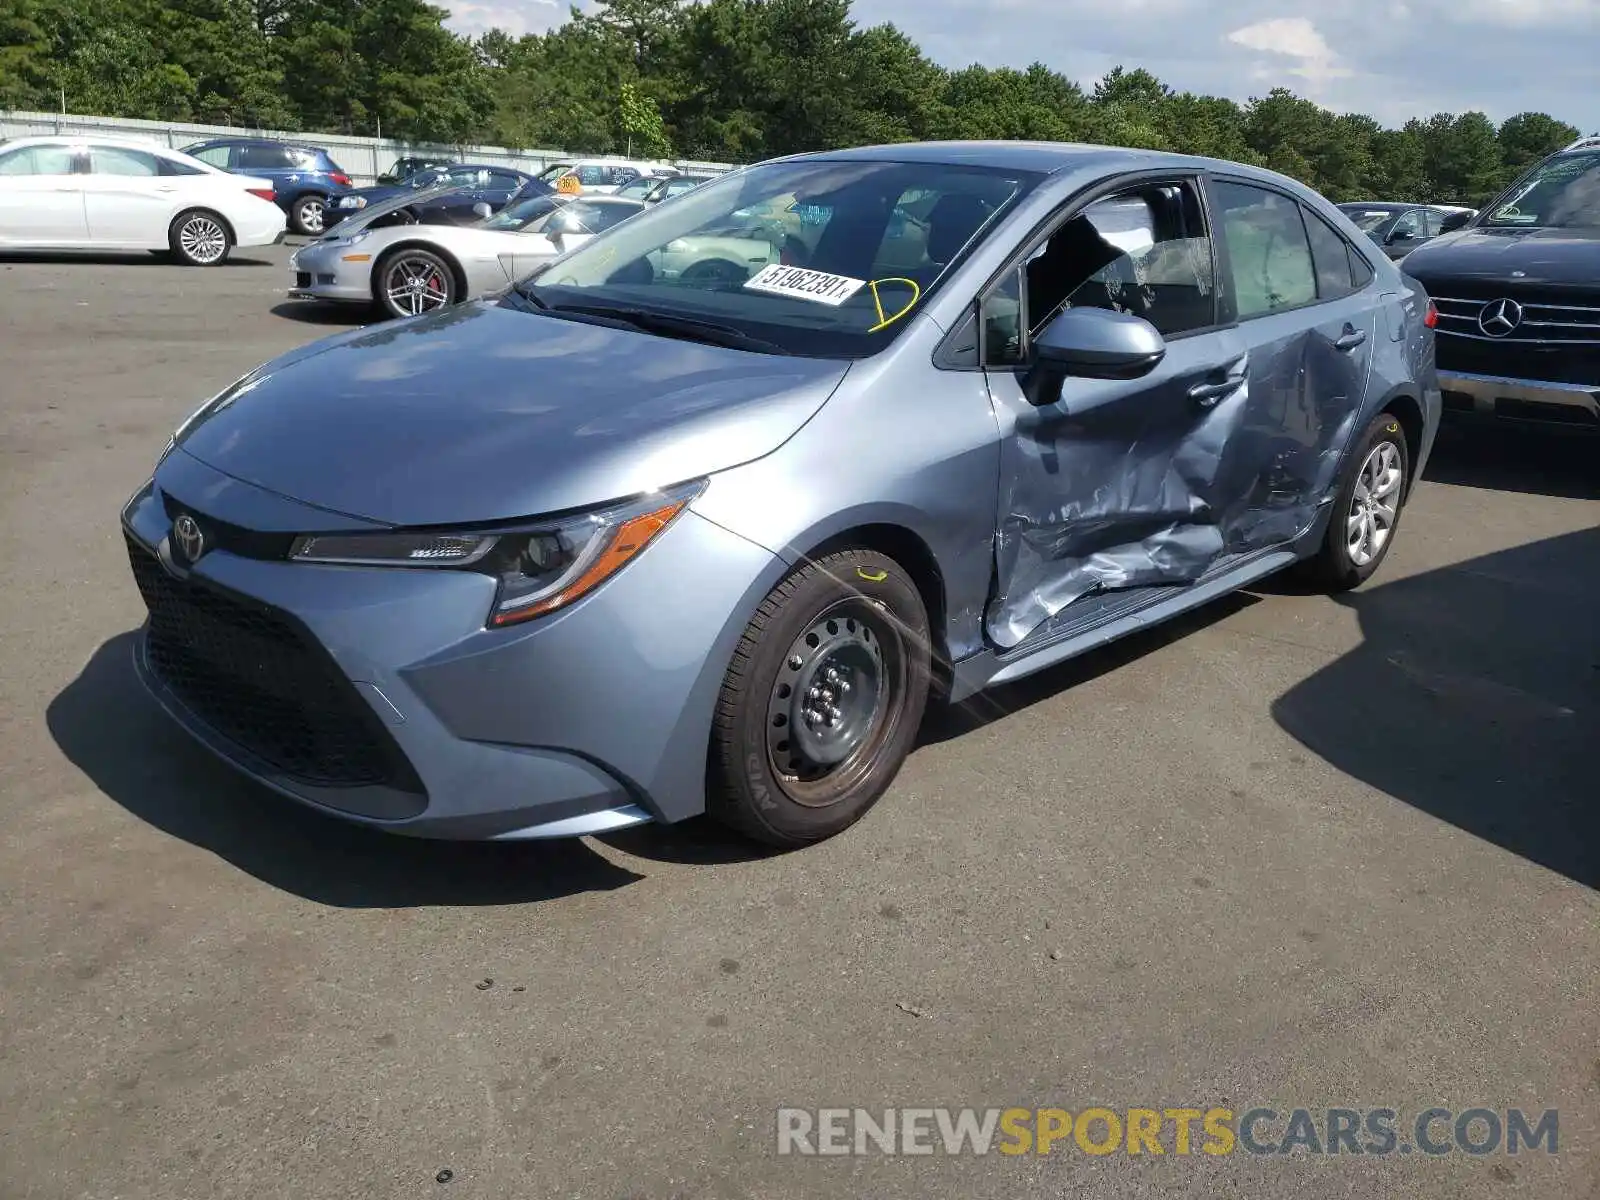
(1298, 40)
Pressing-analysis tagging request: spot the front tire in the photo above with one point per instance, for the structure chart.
(1367, 511)
(822, 701)
(410, 282)
(307, 215)
(199, 238)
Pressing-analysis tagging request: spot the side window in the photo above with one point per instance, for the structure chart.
(1330, 254)
(1004, 343)
(622, 175)
(504, 181)
(171, 166)
(38, 160)
(216, 156)
(1430, 222)
(1410, 223)
(114, 160)
(264, 158)
(1268, 253)
(594, 176)
(1145, 251)
(1360, 269)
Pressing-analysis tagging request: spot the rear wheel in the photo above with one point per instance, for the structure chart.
(411, 282)
(1367, 510)
(199, 238)
(307, 215)
(822, 701)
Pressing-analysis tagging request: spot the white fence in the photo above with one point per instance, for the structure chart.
(363, 158)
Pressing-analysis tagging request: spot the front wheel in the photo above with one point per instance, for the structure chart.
(822, 701)
(199, 239)
(1367, 510)
(411, 282)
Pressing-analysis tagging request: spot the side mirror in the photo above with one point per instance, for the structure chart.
(1098, 343)
(1454, 221)
(1401, 235)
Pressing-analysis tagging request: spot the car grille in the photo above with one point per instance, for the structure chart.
(302, 279)
(255, 676)
(1554, 342)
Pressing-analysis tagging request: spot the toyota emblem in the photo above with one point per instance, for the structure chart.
(1500, 318)
(190, 540)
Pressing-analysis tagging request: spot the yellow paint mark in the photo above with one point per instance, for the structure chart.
(884, 321)
(872, 576)
(1393, 428)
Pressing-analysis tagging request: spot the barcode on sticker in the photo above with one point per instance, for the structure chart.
(817, 286)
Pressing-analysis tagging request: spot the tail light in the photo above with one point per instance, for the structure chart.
(1430, 319)
(265, 193)
(340, 178)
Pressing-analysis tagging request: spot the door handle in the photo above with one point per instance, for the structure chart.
(1350, 339)
(166, 188)
(1207, 395)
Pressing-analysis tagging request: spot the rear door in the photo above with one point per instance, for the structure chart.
(128, 202)
(41, 196)
(1289, 285)
(1115, 485)
(276, 163)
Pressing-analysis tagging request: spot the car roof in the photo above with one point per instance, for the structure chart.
(80, 139)
(259, 141)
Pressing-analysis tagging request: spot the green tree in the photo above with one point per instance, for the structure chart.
(1462, 159)
(639, 120)
(1528, 137)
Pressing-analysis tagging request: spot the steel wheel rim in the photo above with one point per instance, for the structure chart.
(415, 286)
(311, 216)
(1375, 507)
(847, 667)
(202, 239)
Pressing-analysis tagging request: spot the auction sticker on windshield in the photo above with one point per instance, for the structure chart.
(819, 286)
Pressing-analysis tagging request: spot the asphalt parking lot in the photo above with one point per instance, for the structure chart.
(1294, 852)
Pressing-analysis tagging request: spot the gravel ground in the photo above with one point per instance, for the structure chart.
(1291, 852)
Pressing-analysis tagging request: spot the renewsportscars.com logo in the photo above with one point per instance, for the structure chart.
(1367, 1132)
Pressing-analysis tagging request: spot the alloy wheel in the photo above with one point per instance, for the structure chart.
(1375, 506)
(203, 240)
(415, 285)
(311, 216)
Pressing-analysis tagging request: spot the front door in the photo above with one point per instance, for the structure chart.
(41, 196)
(1114, 485)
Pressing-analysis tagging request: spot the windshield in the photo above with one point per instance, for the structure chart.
(821, 258)
(551, 173)
(1562, 192)
(1368, 219)
(525, 214)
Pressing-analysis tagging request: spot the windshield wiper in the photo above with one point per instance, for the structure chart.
(669, 325)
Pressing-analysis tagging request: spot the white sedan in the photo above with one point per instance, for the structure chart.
(94, 193)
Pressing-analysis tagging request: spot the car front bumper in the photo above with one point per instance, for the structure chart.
(1525, 401)
(331, 271)
(378, 695)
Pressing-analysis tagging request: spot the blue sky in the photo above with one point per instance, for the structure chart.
(1393, 59)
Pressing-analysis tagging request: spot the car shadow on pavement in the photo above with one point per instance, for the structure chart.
(1517, 460)
(1475, 697)
(117, 735)
(313, 312)
(130, 259)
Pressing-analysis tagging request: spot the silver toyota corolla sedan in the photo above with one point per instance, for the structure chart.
(628, 544)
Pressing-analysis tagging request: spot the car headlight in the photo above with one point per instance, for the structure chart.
(358, 235)
(353, 202)
(540, 566)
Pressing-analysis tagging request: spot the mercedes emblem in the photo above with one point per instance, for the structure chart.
(186, 533)
(1500, 318)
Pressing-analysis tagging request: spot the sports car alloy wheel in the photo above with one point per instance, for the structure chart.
(202, 240)
(415, 284)
(1375, 506)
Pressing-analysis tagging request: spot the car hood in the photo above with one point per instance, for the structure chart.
(484, 413)
(1560, 257)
